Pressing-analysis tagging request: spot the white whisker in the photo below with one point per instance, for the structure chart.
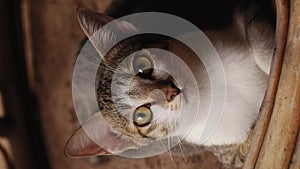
(181, 146)
(100, 60)
(170, 155)
(182, 152)
(169, 150)
(92, 55)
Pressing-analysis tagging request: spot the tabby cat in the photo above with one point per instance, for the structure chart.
(245, 47)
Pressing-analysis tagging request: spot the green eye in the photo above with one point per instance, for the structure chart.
(142, 116)
(143, 66)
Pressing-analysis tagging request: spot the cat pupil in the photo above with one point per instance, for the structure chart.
(141, 115)
(143, 66)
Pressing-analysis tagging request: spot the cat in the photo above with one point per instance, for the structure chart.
(245, 47)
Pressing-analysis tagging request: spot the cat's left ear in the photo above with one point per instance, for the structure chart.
(91, 22)
(96, 137)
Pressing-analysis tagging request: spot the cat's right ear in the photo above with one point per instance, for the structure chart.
(92, 23)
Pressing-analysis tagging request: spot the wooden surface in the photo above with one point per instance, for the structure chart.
(295, 163)
(269, 100)
(281, 136)
(19, 105)
(279, 142)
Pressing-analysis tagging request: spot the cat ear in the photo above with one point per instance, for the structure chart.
(81, 144)
(91, 22)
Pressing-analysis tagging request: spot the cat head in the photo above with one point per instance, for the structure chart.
(138, 92)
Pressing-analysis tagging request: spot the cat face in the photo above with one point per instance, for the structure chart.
(143, 88)
(145, 94)
(139, 94)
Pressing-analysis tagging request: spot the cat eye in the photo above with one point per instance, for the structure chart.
(143, 66)
(142, 116)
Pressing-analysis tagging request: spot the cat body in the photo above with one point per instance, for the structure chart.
(245, 48)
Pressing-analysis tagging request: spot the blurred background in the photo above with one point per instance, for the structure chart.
(39, 40)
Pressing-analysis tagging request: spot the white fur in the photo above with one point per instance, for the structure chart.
(246, 69)
(246, 85)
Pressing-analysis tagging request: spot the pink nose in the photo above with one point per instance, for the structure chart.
(171, 92)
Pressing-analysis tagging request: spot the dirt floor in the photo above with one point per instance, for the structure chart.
(53, 36)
